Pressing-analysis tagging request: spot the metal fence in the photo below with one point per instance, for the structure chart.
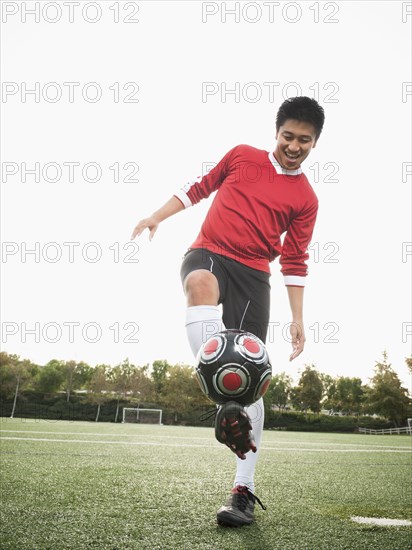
(390, 431)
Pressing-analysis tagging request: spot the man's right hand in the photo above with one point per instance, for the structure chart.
(150, 223)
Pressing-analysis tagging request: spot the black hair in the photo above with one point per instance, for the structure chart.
(303, 109)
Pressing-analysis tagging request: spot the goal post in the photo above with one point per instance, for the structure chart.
(142, 416)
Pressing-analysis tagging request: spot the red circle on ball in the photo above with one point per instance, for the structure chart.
(264, 388)
(251, 345)
(232, 381)
(211, 346)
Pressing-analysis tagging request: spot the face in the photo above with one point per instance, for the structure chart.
(295, 140)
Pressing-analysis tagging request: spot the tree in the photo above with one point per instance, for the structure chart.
(120, 378)
(279, 390)
(142, 386)
(180, 390)
(83, 375)
(294, 397)
(75, 376)
(310, 390)
(342, 394)
(99, 386)
(7, 382)
(16, 374)
(386, 396)
(329, 400)
(69, 368)
(349, 394)
(159, 372)
(50, 377)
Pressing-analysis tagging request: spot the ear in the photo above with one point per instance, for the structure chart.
(314, 143)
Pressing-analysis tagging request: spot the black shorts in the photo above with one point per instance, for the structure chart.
(244, 291)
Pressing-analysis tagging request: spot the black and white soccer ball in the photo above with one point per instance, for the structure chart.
(233, 365)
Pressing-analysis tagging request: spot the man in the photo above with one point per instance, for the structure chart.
(260, 196)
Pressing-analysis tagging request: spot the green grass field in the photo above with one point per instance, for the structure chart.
(83, 485)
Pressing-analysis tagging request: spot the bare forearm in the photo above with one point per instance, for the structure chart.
(297, 330)
(171, 207)
(296, 301)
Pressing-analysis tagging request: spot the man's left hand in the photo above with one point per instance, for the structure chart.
(298, 338)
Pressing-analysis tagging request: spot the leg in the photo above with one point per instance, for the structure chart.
(202, 283)
(245, 469)
(247, 306)
(201, 288)
(256, 320)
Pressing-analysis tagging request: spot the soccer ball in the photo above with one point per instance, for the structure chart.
(233, 365)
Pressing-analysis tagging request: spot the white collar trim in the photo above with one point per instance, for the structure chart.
(282, 170)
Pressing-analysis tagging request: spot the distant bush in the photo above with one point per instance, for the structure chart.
(296, 421)
(32, 405)
(37, 406)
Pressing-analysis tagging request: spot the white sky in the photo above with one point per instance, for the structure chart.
(361, 62)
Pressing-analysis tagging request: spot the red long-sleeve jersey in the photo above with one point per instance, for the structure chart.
(256, 202)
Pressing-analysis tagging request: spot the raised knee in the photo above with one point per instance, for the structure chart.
(200, 281)
(201, 287)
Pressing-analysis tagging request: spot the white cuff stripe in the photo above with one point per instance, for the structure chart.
(184, 198)
(294, 280)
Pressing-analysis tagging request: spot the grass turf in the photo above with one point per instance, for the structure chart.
(83, 485)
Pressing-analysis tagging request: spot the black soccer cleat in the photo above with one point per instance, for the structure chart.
(239, 508)
(233, 428)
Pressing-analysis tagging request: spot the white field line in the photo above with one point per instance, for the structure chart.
(153, 444)
(193, 438)
(386, 522)
(102, 434)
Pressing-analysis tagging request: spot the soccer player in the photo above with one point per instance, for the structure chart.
(261, 195)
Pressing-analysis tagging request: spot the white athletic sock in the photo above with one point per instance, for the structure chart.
(245, 471)
(201, 323)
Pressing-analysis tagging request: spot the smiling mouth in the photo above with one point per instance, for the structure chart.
(291, 157)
